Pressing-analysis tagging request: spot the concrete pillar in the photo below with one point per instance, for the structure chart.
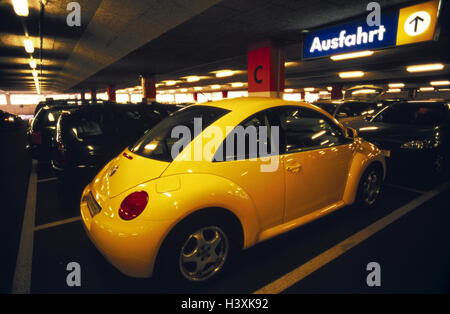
(336, 91)
(111, 91)
(93, 92)
(148, 83)
(265, 62)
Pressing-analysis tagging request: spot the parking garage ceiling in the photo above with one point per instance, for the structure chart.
(118, 40)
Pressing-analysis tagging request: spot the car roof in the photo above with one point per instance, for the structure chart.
(250, 105)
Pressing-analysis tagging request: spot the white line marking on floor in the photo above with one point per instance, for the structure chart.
(57, 223)
(24, 263)
(47, 179)
(405, 188)
(319, 261)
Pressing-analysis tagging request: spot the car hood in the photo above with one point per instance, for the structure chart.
(125, 172)
(391, 136)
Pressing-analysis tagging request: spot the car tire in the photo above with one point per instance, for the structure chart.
(370, 187)
(197, 250)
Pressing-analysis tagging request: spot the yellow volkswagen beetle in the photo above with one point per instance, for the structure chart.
(222, 176)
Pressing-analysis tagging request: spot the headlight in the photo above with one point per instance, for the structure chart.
(420, 144)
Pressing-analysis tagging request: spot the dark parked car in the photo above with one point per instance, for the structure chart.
(349, 110)
(42, 130)
(87, 138)
(10, 121)
(415, 132)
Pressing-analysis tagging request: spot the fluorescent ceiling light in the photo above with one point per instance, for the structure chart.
(32, 64)
(290, 63)
(198, 88)
(426, 89)
(170, 83)
(34, 72)
(308, 89)
(21, 7)
(352, 55)
(183, 90)
(237, 84)
(28, 43)
(215, 86)
(323, 92)
(193, 78)
(440, 83)
(224, 73)
(394, 90)
(396, 85)
(171, 91)
(330, 88)
(288, 90)
(351, 74)
(425, 67)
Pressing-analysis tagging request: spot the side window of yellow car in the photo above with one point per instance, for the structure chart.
(250, 139)
(306, 129)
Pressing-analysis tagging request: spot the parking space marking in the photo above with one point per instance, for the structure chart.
(326, 257)
(405, 188)
(57, 223)
(47, 179)
(24, 263)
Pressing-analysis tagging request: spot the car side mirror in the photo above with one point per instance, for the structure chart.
(351, 133)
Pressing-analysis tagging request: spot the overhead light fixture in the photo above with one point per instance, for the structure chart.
(170, 83)
(290, 63)
(396, 85)
(198, 88)
(28, 43)
(215, 86)
(351, 74)
(352, 55)
(192, 78)
(171, 91)
(440, 83)
(32, 64)
(183, 90)
(288, 90)
(425, 67)
(394, 90)
(324, 92)
(224, 73)
(237, 84)
(426, 89)
(34, 72)
(308, 89)
(329, 88)
(21, 7)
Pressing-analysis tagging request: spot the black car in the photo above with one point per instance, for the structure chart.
(42, 130)
(347, 111)
(10, 121)
(87, 138)
(416, 133)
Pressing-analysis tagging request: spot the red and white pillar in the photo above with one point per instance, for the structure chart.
(336, 91)
(265, 63)
(111, 91)
(148, 83)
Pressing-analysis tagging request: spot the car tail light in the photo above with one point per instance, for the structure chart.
(133, 205)
(36, 138)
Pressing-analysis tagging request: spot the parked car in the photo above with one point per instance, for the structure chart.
(157, 209)
(90, 136)
(350, 110)
(10, 121)
(42, 129)
(415, 132)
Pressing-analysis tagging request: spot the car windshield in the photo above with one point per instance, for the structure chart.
(412, 113)
(327, 106)
(157, 143)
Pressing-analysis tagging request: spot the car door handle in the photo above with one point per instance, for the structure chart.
(294, 168)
